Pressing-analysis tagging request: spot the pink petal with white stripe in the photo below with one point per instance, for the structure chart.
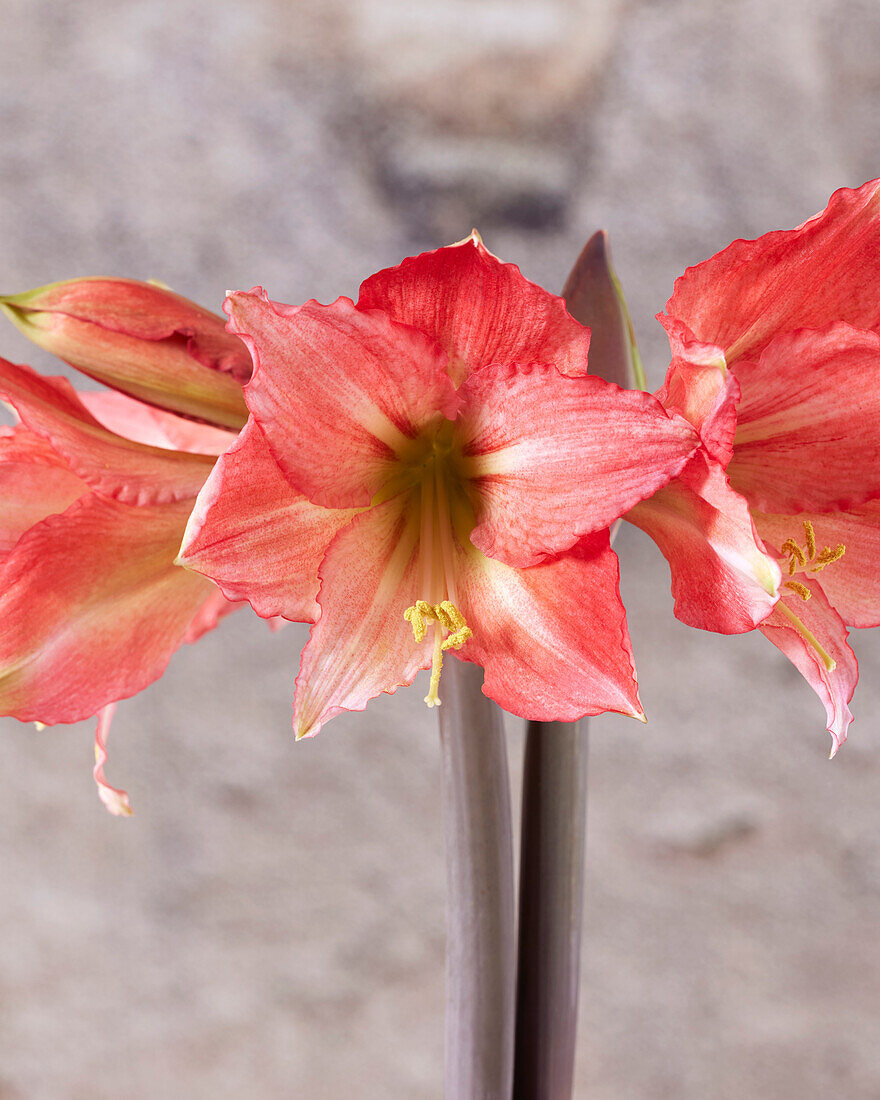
(552, 638)
(478, 310)
(808, 423)
(361, 645)
(554, 458)
(256, 537)
(339, 393)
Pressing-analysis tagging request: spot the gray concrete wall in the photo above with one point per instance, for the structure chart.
(269, 924)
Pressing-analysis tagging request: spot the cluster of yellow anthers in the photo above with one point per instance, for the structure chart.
(447, 617)
(805, 558)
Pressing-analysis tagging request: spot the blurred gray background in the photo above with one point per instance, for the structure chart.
(270, 923)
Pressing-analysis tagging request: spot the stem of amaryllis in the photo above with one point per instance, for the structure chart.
(550, 909)
(480, 954)
(554, 804)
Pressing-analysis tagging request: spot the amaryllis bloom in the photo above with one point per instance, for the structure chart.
(786, 327)
(431, 470)
(96, 489)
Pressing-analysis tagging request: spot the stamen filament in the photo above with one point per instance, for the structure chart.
(808, 636)
(432, 698)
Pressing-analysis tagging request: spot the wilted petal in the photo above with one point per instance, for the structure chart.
(552, 638)
(339, 394)
(835, 686)
(92, 608)
(256, 537)
(808, 424)
(361, 645)
(852, 584)
(142, 339)
(479, 310)
(116, 801)
(117, 467)
(35, 482)
(826, 270)
(555, 458)
(721, 578)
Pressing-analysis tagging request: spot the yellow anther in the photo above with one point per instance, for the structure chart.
(452, 619)
(418, 616)
(791, 548)
(806, 558)
(810, 536)
(447, 617)
(801, 589)
(828, 556)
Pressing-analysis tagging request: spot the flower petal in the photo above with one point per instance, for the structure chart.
(155, 427)
(361, 645)
(721, 578)
(35, 482)
(142, 339)
(256, 537)
(808, 424)
(835, 688)
(555, 458)
(116, 801)
(553, 638)
(852, 584)
(478, 310)
(826, 270)
(700, 388)
(92, 607)
(339, 393)
(118, 468)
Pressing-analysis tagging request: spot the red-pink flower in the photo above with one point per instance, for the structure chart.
(787, 325)
(431, 470)
(96, 491)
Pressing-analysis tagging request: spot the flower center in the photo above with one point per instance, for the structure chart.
(440, 495)
(808, 559)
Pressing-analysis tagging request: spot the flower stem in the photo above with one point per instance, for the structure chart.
(550, 909)
(480, 958)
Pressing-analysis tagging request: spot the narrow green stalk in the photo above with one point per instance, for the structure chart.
(480, 954)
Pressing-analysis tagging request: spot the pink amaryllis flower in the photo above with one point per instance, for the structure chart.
(787, 326)
(432, 470)
(96, 490)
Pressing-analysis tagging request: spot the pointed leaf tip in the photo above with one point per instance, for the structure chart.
(594, 297)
